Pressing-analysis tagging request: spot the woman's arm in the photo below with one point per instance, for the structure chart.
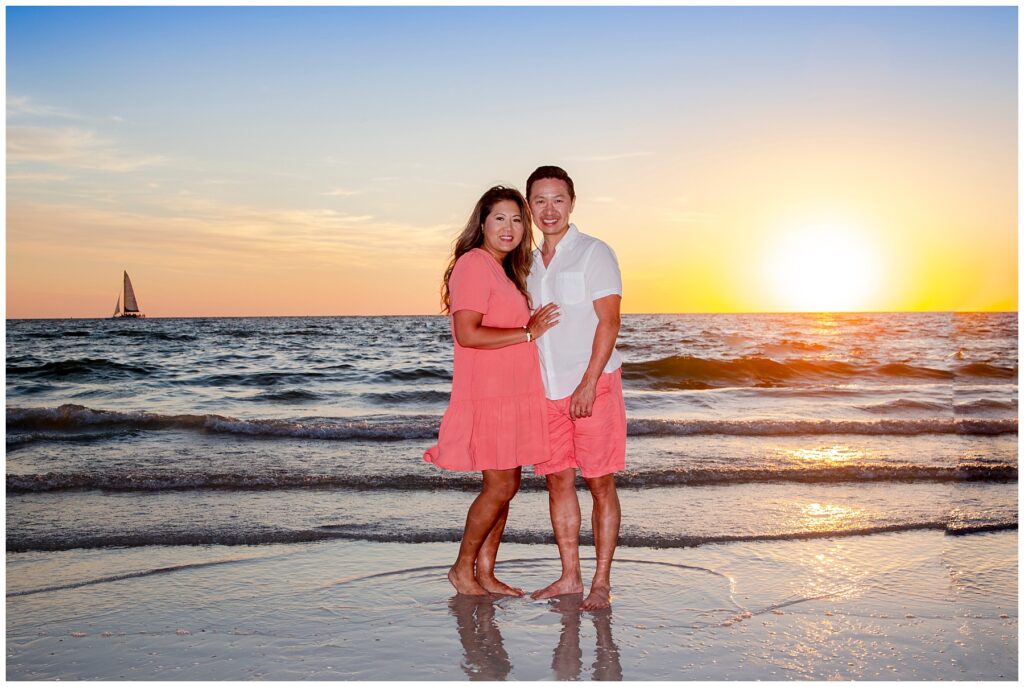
(470, 332)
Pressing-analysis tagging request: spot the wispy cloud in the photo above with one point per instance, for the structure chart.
(23, 105)
(36, 176)
(343, 192)
(71, 147)
(198, 232)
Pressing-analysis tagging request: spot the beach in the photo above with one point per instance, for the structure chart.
(805, 497)
(908, 606)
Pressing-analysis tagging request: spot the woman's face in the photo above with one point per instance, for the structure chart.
(503, 229)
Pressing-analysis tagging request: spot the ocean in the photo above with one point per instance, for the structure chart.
(747, 427)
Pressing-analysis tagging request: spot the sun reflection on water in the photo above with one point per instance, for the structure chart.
(824, 324)
(832, 573)
(837, 454)
(829, 517)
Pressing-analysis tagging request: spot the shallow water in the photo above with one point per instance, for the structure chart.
(911, 605)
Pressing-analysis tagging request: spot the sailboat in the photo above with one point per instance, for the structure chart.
(131, 306)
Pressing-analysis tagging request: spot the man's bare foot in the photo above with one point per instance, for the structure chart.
(496, 586)
(599, 597)
(563, 585)
(465, 584)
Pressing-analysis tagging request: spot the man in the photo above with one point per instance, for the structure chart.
(582, 380)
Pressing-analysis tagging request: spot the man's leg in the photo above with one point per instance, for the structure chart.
(565, 520)
(600, 444)
(605, 520)
(499, 486)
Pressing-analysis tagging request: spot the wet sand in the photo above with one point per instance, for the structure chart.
(916, 605)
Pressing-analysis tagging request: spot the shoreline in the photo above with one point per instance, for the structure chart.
(911, 605)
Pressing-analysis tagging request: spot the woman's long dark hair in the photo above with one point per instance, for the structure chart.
(519, 260)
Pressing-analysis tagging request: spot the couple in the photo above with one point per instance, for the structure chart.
(541, 389)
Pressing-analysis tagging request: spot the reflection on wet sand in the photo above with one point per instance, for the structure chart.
(485, 657)
(567, 660)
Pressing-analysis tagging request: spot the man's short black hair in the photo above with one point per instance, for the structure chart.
(550, 172)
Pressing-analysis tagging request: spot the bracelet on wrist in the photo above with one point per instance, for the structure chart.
(529, 335)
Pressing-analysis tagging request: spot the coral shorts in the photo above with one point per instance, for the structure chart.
(596, 444)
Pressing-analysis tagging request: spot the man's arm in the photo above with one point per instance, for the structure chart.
(607, 309)
(471, 333)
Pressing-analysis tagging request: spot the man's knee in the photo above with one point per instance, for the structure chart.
(562, 483)
(602, 488)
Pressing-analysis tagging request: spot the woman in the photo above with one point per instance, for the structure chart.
(496, 421)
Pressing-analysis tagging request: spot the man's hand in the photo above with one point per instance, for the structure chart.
(582, 402)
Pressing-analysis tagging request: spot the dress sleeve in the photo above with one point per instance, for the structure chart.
(603, 275)
(471, 283)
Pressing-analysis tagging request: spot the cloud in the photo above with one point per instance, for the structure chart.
(343, 192)
(197, 233)
(36, 176)
(74, 147)
(23, 105)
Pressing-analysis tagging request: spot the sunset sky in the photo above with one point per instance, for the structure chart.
(319, 161)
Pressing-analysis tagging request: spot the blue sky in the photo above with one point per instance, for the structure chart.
(393, 120)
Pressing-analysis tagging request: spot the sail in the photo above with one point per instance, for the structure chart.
(117, 308)
(129, 296)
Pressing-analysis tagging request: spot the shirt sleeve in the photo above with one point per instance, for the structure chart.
(603, 275)
(470, 286)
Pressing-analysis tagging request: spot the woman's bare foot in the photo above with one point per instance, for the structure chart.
(563, 585)
(496, 586)
(465, 583)
(599, 597)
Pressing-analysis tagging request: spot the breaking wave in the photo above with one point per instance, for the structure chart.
(59, 541)
(904, 404)
(169, 480)
(73, 418)
(688, 372)
(902, 427)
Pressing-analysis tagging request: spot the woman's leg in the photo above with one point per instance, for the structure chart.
(499, 486)
(485, 560)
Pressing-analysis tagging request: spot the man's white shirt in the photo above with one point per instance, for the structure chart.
(582, 270)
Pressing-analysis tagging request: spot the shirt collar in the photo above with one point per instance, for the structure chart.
(570, 237)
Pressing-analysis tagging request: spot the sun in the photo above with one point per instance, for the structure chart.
(823, 268)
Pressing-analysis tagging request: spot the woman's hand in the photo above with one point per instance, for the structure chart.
(543, 319)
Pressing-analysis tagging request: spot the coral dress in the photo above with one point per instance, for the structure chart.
(497, 417)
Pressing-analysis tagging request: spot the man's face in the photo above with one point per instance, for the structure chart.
(551, 206)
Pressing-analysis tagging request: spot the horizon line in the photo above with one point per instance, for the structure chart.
(689, 312)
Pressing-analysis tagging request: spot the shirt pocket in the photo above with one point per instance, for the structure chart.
(571, 288)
